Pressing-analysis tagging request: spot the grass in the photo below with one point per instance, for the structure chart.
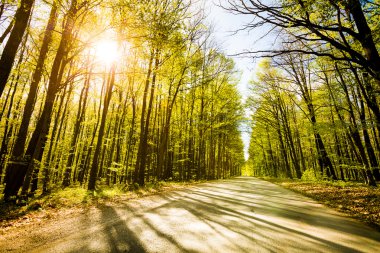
(77, 199)
(355, 199)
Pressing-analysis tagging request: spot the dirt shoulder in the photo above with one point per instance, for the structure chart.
(357, 200)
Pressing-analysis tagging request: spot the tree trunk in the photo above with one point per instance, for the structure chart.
(79, 119)
(21, 19)
(19, 146)
(288, 136)
(301, 79)
(143, 118)
(367, 140)
(365, 37)
(131, 141)
(355, 132)
(107, 100)
(24, 168)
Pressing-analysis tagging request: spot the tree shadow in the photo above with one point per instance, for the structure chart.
(217, 219)
(202, 211)
(120, 237)
(288, 207)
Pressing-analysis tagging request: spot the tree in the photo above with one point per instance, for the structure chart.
(20, 172)
(167, 108)
(326, 28)
(342, 31)
(21, 20)
(107, 99)
(298, 68)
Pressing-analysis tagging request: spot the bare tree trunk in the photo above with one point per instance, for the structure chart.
(6, 31)
(6, 136)
(55, 137)
(144, 144)
(289, 137)
(131, 141)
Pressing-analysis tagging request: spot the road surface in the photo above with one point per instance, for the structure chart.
(237, 215)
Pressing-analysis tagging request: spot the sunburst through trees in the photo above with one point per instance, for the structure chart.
(114, 92)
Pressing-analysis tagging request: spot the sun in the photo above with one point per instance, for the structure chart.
(107, 51)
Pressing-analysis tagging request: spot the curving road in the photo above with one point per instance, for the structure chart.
(237, 215)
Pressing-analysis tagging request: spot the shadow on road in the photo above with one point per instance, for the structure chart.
(238, 215)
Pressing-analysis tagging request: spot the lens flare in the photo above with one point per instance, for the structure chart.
(107, 51)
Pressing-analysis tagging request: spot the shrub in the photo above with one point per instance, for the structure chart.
(311, 175)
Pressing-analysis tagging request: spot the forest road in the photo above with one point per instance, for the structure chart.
(243, 214)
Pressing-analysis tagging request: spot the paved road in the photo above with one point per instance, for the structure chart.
(237, 215)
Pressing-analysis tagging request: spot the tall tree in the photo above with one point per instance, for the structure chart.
(19, 173)
(107, 99)
(346, 24)
(8, 55)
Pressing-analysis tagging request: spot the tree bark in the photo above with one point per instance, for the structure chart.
(79, 119)
(142, 143)
(107, 100)
(22, 16)
(19, 146)
(367, 140)
(21, 171)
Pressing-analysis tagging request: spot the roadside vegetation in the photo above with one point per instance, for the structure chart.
(74, 199)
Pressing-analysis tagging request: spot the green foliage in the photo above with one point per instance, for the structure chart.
(69, 196)
(311, 176)
(99, 120)
(247, 169)
(135, 186)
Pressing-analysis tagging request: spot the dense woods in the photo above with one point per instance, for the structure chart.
(125, 92)
(115, 114)
(315, 99)
(120, 92)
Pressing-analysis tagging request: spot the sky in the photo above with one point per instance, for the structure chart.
(225, 24)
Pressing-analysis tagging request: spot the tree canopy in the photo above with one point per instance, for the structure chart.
(113, 92)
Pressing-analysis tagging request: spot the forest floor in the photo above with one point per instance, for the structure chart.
(76, 199)
(355, 199)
